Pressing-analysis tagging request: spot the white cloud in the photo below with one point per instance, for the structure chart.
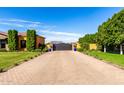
(60, 36)
(25, 23)
(66, 39)
(61, 33)
(11, 24)
(20, 20)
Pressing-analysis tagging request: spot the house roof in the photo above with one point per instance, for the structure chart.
(3, 33)
(22, 33)
(19, 34)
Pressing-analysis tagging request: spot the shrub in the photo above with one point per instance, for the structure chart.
(31, 40)
(42, 46)
(41, 50)
(16, 64)
(12, 40)
(3, 50)
(45, 49)
(80, 49)
(38, 50)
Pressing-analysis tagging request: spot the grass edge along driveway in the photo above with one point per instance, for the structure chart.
(115, 59)
(11, 59)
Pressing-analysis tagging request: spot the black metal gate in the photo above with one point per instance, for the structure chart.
(62, 46)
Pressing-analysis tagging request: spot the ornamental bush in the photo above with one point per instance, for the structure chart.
(31, 40)
(12, 40)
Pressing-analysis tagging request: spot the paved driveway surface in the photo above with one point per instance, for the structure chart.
(63, 67)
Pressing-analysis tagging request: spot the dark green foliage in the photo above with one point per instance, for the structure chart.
(42, 48)
(80, 49)
(86, 40)
(111, 32)
(31, 40)
(12, 40)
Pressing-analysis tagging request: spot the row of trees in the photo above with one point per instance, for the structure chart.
(13, 40)
(110, 34)
(86, 40)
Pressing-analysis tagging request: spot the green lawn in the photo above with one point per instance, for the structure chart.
(11, 59)
(108, 57)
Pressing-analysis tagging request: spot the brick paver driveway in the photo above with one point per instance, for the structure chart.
(63, 67)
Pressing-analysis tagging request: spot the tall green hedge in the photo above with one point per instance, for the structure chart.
(111, 32)
(86, 40)
(12, 40)
(31, 40)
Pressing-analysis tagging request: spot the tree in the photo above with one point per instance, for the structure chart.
(111, 32)
(12, 40)
(31, 40)
(102, 35)
(86, 40)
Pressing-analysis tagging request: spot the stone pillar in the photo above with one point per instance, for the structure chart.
(72, 46)
(121, 49)
(104, 48)
(7, 48)
(51, 47)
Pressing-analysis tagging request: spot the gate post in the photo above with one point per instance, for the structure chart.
(73, 46)
(51, 47)
(121, 49)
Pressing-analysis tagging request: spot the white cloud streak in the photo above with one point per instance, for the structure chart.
(61, 33)
(60, 36)
(66, 39)
(11, 24)
(20, 20)
(24, 23)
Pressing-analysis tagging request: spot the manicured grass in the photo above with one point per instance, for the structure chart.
(11, 59)
(108, 57)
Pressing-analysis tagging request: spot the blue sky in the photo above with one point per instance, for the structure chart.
(56, 24)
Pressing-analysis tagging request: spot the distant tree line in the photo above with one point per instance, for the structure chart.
(86, 40)
(110, 35)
